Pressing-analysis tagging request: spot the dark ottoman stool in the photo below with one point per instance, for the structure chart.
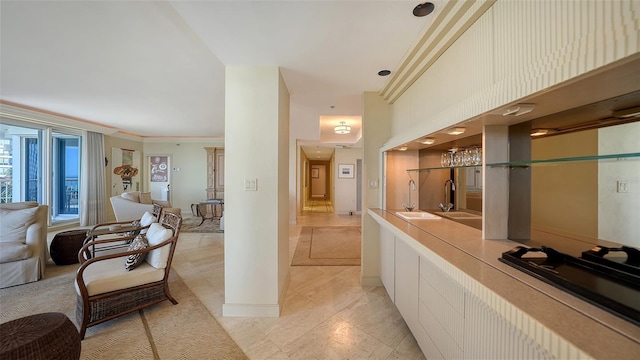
(65, 246)
(41, 336)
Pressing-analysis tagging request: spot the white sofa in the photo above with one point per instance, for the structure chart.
(132, 205)
(23, 242)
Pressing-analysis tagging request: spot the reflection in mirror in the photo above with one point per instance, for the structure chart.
(583, 200)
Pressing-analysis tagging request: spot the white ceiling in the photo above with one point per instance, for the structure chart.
(156, 69)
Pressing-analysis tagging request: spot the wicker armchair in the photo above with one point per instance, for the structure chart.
(107, 290)
(119, 229)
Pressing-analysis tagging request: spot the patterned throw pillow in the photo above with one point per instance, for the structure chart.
(133, 260)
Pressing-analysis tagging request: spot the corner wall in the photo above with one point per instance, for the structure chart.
(256, 253)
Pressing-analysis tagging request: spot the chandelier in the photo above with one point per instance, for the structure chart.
(342, 129)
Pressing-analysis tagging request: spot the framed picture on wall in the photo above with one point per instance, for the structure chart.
(315, 173)
(345, 171)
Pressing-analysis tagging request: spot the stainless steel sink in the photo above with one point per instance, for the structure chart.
(417, 215)
(460, 215)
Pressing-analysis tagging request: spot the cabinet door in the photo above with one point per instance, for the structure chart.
(407, 283)
(387, 261)
(219, 174)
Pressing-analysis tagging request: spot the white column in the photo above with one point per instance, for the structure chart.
(256, 191)
(376, 129)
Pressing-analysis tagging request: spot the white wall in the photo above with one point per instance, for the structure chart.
(188, 186)
(345, 189)
(376, 127)
(618, 212)
(256, 236)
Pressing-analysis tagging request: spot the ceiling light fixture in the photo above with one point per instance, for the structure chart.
(384, 72)
(402, 148)
(423, 9)
(627, 113)
(518, 109)
(456, 131)
(342, 129)
(427, 141)
(539, 132)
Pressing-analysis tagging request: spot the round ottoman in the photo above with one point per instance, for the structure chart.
(65, 246)
(41, 336)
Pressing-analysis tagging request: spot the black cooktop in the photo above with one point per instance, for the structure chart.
(610, 282)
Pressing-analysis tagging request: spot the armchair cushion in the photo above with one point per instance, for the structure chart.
(109, 275)
(15, 224)
(14, 251)
(155, 235)
(133, 260)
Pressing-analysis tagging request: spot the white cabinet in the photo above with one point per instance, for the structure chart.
(441, 310)
(406, 281)
(387, 261)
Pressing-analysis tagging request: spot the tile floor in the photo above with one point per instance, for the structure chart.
(326, 313)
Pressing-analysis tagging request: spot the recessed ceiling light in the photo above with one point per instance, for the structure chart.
(384, 72)
(402, 148)
(539, 132)
(456, 131)
(627, 113)
(423, 9)
(518, 109)
(428, 141)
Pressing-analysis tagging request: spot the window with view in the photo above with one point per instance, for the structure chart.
(26, 154)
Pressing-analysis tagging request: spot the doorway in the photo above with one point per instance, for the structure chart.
(319, 195)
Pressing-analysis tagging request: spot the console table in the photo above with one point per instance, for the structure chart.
(211, 205)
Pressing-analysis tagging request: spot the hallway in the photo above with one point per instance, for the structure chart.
(326, 313)
(318, 205)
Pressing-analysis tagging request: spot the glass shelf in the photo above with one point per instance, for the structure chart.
(446, 168)
(612, 157)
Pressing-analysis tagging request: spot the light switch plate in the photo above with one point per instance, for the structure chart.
(623, 186)
(250, 184)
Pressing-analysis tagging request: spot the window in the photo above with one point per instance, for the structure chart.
(24, 159)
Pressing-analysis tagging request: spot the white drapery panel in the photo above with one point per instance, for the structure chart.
(93, 181)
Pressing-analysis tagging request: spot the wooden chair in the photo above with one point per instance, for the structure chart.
(107, 290)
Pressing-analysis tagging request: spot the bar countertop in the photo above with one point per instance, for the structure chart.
(595, 331)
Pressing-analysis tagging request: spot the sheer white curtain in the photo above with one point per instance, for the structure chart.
(93, 181)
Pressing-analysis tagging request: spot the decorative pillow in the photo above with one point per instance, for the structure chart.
(145, 198)
(131, 196)
(147, 219)
(15, 224)
(133, 260)
(155, 235)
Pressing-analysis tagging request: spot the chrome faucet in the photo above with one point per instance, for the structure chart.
(449, 206)
(412, 187)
